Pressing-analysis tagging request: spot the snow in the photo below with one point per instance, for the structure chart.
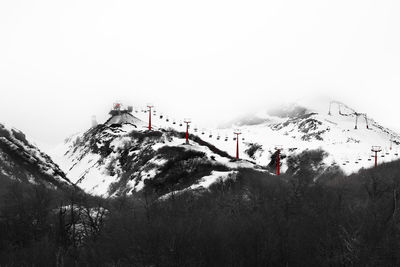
(97, 182)
(90, 171)
(348, 148)
(341, 141)
(214, 177)
(181, 142)
(30, 154)
(205, 182)
(135, 185)
(83, 168)
(10, 144)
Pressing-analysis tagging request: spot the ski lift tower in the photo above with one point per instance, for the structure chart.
(150, 106)
(356, 125)
(366, 120)
(187, 121)
(376, 149)
(365, 117)
(278, 149)
(391, 142)
(237, 132)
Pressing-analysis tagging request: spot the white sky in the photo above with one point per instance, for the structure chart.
(63, 61)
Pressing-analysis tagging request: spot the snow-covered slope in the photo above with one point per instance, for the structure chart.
(21, 160)
(122, 156)
(113, 159)
(298, 128)
(348, 147)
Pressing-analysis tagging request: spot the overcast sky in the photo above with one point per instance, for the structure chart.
(63, 61)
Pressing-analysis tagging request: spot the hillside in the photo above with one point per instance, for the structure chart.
(111, 160)
(22, 161)
(298, 128)
(122, 157)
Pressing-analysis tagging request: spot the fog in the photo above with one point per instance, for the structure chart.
(63, 61)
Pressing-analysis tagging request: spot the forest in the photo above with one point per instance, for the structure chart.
(297, 219)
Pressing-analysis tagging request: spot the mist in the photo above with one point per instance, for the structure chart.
(62, 62)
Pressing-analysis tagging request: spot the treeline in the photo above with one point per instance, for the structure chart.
(257, 220)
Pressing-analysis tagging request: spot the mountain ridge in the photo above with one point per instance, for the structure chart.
(111, 151)
(22, 161)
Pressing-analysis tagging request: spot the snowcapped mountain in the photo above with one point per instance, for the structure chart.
(122, 156)
(22, 161)
(329, 126)
(345, 134)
